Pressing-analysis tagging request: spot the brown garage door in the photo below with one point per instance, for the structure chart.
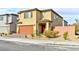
(26, 29)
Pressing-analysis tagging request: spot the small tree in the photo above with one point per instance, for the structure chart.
(65, 35)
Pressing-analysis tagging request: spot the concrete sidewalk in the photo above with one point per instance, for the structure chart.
(41, 42)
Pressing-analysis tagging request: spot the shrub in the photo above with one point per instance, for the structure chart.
(25, 36)
(50, 33)
(33, 34)
(55, 33)
(65, 35)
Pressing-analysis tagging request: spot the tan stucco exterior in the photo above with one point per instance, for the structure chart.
(40, 17)
(46, 15)
(28, 21)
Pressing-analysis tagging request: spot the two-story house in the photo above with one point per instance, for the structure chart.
(37, 21)
(8, 23)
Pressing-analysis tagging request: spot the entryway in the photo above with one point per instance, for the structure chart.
(42, 27)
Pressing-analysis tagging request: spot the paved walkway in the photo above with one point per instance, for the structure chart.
(42, 42)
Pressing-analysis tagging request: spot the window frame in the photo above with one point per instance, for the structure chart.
(28, 15)
(56, 16)
(1, 18)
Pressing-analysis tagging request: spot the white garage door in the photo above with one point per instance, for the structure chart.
(4, 29)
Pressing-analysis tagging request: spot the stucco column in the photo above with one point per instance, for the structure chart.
(47, 26)
(34, 30)
(17, 30)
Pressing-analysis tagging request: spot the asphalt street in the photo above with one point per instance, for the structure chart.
(19, 46)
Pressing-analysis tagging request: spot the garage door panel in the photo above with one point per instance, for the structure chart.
(28, 29)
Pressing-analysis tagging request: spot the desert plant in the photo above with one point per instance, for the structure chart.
(47, 33)
(55, 33)
(65, 35)
(50, 34)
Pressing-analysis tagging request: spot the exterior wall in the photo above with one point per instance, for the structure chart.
(4, 28)
(8, 24)
(4, 21)
(28, 21)
(46, 15)
(56, 22)
(62, 30)
(13, 25)
(36, 17)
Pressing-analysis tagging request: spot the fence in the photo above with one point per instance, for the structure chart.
(63, 29)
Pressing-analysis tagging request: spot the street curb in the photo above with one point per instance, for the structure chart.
(40, 42)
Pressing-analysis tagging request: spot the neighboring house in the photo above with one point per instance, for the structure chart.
(65, 23)
(37, 21)
(8, 23)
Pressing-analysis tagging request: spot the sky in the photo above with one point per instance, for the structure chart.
(69, 14)
(67, 9)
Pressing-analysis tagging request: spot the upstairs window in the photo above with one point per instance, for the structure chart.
(1, 18)
(55, 16)
(28, 15)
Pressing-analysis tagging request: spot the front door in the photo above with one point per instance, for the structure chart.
(43, 27)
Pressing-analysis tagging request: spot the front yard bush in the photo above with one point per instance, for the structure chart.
(51, 34)
(55, 33)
